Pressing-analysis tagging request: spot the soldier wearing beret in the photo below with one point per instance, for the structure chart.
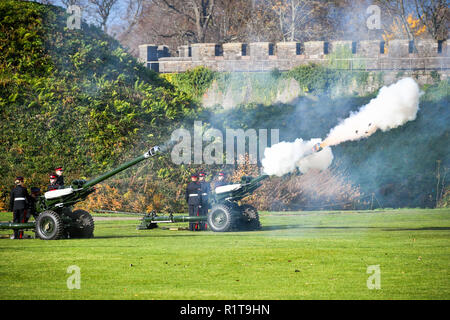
(220, 180)
(205, 191)
(59, 177)
(35, 192)
(193, 199)
(18, 204)
(53, 185)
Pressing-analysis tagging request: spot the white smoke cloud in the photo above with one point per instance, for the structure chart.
(394, 106)
(285, 157)
(319, 160)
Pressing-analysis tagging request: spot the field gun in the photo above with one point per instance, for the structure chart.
(56, 218)
(226, 213)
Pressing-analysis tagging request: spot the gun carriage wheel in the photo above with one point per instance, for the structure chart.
(250, 217)
(49, 226)
(82, 225)
(224, 218)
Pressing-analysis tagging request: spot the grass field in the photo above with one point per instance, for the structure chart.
(296, 255)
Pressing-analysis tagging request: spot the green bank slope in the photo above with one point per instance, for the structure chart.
(74, 98)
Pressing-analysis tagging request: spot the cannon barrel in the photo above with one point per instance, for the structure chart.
(150, 221)
(17, 226)
(80, 189)
(119, 212)
(238, 191)
(150, 153)
(258, 179)
(172, 219)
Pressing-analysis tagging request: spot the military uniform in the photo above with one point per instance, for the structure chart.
(220, 183)
(204, 199)
(53, 185)
(193, 199)
(59, 178)
(18, 205)
(32, 205)
(206, 190)
(60, 182)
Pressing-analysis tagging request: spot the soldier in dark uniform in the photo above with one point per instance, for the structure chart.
(35, 192)
(193, 199)
(220, 180)
(18, 204)
(53, 185)
(205, 191)
(59, 177)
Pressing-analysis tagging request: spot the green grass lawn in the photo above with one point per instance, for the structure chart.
(296, 255)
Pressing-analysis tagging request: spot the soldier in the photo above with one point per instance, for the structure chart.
(35, 192)
(59, 177)
(18, 203)
(53, 185)
(220, 180)
(193, 195)
(206, 190)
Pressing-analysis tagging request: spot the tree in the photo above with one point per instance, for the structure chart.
(230, 20)
(68, 3)
(177, 22)
(435, 15)
(398, 26)
(294, 15)
(198, 13)
(262, 23)
(131, 18)
(103, 9)
(203, 11)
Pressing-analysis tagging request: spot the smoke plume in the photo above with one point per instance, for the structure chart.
(285, 157)
(394, 106)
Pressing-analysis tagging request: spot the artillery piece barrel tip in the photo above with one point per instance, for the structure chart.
(317, 147)
(153, 151)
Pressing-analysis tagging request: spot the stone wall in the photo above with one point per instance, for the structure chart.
(287, 91)
(265, 56)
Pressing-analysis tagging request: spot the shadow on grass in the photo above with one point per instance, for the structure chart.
(146, 236)
(419, 229)
(284, 227)
(281, 227)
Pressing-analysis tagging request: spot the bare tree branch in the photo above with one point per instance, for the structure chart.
(103, 9)
(435, 15)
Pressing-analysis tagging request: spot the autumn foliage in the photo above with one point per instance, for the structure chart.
(412, 28)
(314, 190)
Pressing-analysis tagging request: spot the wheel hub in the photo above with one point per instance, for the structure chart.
(47, 225)
(219, 218)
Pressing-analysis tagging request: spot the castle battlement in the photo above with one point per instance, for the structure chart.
(421, 54)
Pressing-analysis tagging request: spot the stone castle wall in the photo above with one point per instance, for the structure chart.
(421, 54)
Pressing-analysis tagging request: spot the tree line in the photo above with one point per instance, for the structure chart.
(181, 22)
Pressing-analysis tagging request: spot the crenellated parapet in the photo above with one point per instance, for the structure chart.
(265, 56)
